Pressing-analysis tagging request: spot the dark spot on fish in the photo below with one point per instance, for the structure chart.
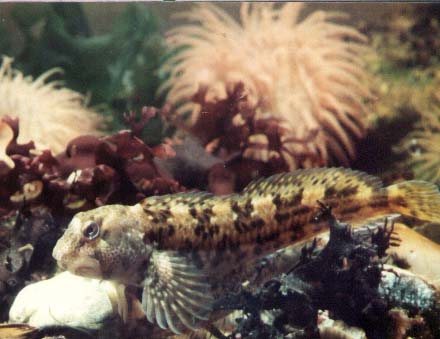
(298, 197)
(171, 230)
(202, 219)
(277, 200)
(149, 237)
(272, 236)
(294, 236)
(234, 246)
(248, 208)
(257, 223)
(198, 230)
(211, 231)
(188, 243)
(237, 225)
(193, 212)
(294, 226)
(281, 217)
(208, 211)
(315, 181)
(302, 210)
(400, 201)
(348, 191)
(165, 214)
(216, 229)
(155, 220)
(222, 244)
(381, 202)
(350, 209)
(323, 181)
(235, 207)
(159, 235)
(329, 192)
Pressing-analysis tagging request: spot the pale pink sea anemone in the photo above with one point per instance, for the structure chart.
(309, 74)
(49, 114)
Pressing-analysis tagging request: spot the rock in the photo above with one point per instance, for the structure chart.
(70, 301)
(337, 329)
(416, 253)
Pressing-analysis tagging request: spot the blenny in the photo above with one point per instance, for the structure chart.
(183, 249)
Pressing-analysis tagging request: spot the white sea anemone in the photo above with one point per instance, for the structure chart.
(49, 114)
(309, 74)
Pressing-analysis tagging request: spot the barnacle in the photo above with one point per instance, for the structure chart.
(50, 114)
(307, 74)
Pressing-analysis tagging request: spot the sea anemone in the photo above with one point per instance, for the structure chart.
(50, 115)
(307, 74)
(421, 148)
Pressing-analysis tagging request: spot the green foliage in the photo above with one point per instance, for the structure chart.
(118, 70)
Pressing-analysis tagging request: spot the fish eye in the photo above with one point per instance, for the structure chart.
(91, 231)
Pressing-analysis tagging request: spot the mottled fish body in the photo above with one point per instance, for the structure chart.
(185, 247)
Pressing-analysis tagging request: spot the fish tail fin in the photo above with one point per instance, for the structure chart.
(417, 199)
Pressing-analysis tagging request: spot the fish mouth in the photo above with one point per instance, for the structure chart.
(85, 267)
(87, 271)
(82, 266)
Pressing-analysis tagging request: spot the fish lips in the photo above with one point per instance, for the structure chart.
(75, 263)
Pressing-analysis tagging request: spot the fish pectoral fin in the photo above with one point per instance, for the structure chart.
(176, 295)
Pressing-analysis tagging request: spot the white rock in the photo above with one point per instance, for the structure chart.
(66, 300)
(337, 329)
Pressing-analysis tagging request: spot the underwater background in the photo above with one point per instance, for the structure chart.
(114, 103)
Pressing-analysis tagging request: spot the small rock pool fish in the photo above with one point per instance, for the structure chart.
(183, 248)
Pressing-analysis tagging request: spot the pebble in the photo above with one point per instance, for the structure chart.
(67, 300)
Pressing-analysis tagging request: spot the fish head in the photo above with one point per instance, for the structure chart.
(106, 242)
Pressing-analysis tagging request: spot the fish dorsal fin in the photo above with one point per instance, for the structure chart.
(164, 201)
(177, 295)
(337, 179)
